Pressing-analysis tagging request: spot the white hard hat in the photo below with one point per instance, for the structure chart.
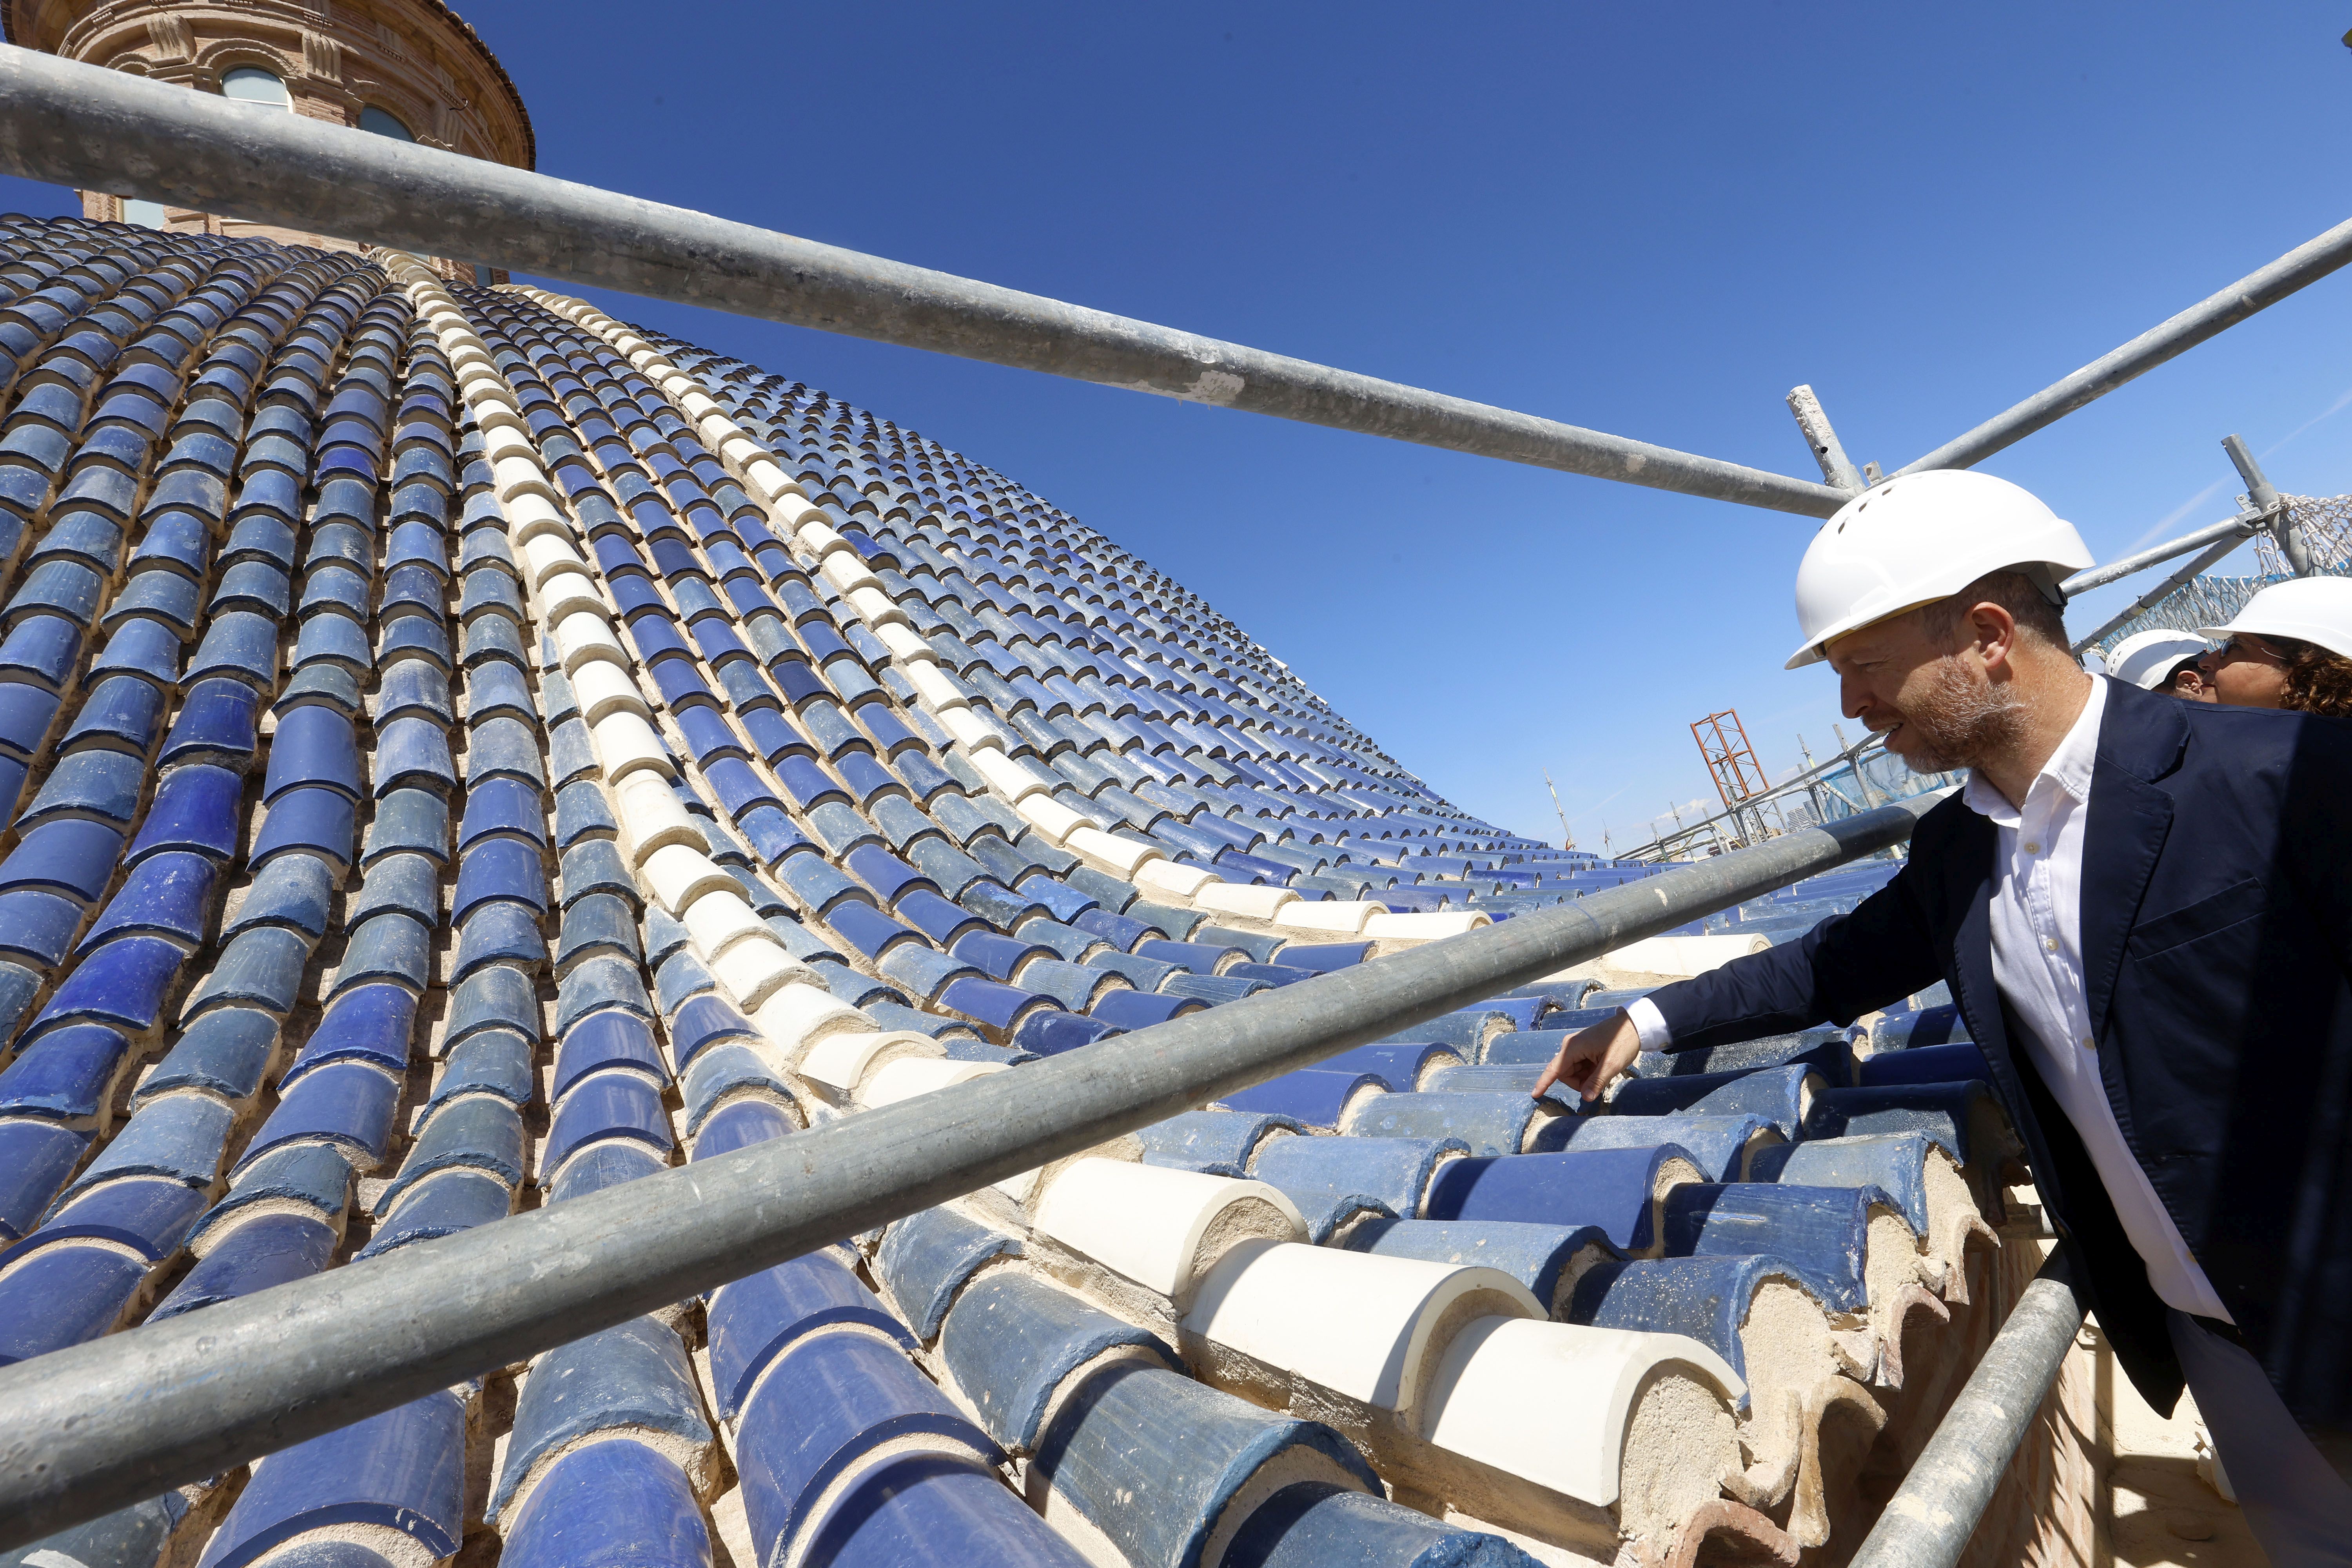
(1921, 537)
(2147, 659)
(2315, 609)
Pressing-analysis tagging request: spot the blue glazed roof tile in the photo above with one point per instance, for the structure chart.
(278, 462)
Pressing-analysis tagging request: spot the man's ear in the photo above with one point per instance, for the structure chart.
(1995, 633)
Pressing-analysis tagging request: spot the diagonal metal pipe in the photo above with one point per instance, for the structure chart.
(2304, 265)
(100, 1425)
(103, 130)
(2236, 530)
(1931, 1518)
(2211, 555)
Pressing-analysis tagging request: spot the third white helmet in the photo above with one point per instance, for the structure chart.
(2313, 609)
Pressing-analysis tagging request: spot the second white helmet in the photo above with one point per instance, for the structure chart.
(1918, 538)
(2147, 659)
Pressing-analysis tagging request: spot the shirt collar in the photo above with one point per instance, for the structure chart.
(2068, 771)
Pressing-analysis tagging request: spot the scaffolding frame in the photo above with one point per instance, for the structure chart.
(1716, 833)
(101, 1425)
(83, 125)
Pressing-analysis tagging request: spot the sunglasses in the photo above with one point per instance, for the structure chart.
(2241, 645)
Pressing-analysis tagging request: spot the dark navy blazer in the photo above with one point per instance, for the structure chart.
(2217, 941)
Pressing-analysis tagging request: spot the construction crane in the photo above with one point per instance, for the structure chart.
(1567, 839)
(1738, 776)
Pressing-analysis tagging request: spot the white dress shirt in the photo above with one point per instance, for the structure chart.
(2037, 961)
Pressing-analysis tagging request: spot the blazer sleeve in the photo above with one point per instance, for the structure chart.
(1843, 967)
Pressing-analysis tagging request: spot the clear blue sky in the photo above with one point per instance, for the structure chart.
(1652, 220)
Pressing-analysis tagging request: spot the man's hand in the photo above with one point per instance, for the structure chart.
(1592, 1059)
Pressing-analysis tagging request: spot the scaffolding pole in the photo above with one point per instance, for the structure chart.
(2304, 265)
(2233, 530)
(106, 129)
(2161, 592)
(99, 1425)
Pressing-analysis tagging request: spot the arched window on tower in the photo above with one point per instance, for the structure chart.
(384, 122)
(147, 215)
(251, 84)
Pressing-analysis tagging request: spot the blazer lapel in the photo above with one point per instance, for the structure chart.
(1973, 984)
(2140, 738)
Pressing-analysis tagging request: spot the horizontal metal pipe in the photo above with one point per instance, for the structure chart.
(2242, 526)
(103, 130)
(2305, 263)
(2156, 594)
(1928, 1522)
(99, 1425)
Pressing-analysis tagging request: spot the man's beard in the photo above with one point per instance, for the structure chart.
(1957, 723)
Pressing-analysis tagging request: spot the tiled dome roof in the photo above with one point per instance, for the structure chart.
(460, 753)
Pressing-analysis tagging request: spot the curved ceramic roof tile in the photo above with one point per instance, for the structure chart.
(462, 751)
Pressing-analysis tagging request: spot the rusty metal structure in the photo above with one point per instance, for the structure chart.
(1738, 778)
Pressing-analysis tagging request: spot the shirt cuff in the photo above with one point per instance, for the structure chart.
(1649, 1024)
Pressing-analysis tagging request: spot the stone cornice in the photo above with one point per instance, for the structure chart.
(331, 54)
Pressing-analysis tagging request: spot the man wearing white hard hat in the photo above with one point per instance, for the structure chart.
(2163, 661)
(2143, 908)
(2291, 647)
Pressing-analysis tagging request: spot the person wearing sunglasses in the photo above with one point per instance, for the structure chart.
(2291, 647)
